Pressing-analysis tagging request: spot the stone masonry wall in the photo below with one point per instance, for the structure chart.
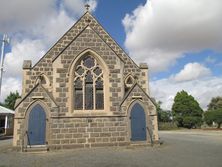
(88, 38)
(45, 64)
(88, 132)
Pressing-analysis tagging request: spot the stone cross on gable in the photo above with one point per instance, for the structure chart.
(87, 6)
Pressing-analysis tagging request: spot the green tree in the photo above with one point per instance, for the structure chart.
(209, 117)
(163, 115)
(10, 100)
(213, 116)
(215, 103)
(186, 110)
(214, 112)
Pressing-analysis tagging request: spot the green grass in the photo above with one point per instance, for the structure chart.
(167, 126)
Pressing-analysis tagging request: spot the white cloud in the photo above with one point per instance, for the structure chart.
(54, 28)
(10, 84)
(17, 15)
(161, 31)
(77, 7)
(24, 16)
(202, 90)
(34, 27)
(34, 49)
(192, 71)
(25, 50)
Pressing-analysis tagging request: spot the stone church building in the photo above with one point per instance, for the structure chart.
(84, 92)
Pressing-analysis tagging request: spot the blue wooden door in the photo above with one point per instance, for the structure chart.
(138, 123)
(37, 126)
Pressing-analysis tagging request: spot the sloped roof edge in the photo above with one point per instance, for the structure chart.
(60, 38)
(32, 91)
(4, 110)
(131, 89)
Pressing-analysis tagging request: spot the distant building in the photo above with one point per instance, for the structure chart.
(6, 121)
(85, 92)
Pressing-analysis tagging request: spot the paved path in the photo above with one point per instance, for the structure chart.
(180, 149)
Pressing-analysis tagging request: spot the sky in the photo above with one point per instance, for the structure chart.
(180, 40)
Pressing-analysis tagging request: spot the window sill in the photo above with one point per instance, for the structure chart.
(88, 113)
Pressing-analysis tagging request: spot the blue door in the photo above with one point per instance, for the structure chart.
(138, 123)
(36, 126)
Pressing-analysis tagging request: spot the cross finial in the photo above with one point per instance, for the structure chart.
(87, 6)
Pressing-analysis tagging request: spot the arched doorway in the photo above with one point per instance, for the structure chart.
(37, 126)
(138, 123)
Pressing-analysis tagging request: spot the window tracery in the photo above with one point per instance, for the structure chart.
(88, 85)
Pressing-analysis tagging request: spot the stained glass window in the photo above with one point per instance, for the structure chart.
(89, 77)
(79, 99)
(99, 83)
(78, 93)
(88, 85)
(99, 99)
(97, 71)
(89, 96)
(88, 62)
(78, 83)
(80, 71)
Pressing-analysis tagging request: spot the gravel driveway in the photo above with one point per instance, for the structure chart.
(180, 149)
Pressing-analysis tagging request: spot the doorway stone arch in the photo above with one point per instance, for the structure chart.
(138, 122)
(37, 111)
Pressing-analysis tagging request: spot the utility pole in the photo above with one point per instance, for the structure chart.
(5, 40)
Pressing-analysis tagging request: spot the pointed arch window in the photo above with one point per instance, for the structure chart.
(88, 85)
(129, 81)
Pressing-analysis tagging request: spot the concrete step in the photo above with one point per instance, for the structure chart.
(36, 149)
(139, 144)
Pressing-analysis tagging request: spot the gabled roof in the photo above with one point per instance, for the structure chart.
(37, 85)
(131, 89)
(4, 110)
(86, 20)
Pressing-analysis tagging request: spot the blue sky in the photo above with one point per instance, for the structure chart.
(209, 58)
(181, 41)
(111, 20)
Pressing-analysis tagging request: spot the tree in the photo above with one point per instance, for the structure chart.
(163, 115)
(10, 100)
(186, 110)
(214, 112)
(213, 116)
(192, 122)
(216, 103)
(209, 118)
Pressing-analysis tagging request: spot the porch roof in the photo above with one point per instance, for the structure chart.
(4, 110)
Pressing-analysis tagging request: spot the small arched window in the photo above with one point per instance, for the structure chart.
(88, 85)
(43, 80)
(129, 81)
